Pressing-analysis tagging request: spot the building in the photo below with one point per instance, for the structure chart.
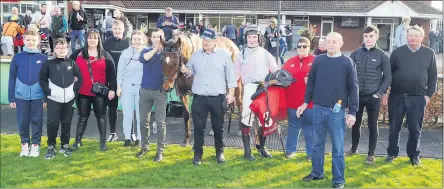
(33, 6)
(346, 17)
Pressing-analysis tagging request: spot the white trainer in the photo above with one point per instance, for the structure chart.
(25, 150)
(35, 151)
(211, 133)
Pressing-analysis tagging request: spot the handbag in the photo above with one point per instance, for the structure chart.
(97, 88)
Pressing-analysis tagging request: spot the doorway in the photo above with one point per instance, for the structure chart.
(386, 35)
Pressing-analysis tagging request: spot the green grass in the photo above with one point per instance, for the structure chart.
(118, 167)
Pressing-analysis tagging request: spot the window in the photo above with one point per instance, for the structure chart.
(326, 25)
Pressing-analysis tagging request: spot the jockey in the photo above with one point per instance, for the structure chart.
(252, 65)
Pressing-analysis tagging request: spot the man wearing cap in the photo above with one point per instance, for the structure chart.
(213, 73)
(168, 23)
(252, 65)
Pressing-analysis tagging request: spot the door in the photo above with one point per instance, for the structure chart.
(385, 33)
(140, 20)
(326, 27)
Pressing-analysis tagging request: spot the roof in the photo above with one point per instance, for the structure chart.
(299, 6)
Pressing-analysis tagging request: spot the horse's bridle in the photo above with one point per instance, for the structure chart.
(165, 78)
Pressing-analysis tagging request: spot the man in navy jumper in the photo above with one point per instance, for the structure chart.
(414, 76)
(332, 78)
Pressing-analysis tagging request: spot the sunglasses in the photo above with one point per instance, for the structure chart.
(302, 46)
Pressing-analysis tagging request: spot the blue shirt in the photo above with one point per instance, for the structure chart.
(332, 79)
(152, 71)
(213, 73)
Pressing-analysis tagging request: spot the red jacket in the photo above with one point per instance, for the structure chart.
(98, 68)
(278, 108)
(296, 91)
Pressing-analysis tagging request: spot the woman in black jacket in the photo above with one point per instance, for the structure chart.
(96, 66)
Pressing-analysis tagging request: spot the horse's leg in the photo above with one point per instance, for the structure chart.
(238, 96)
(186, 117)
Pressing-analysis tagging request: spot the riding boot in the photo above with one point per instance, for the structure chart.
(246, 140)
(101, 122)
(81, 126)
(263, 150)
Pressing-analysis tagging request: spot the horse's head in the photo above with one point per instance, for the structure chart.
(171, 62)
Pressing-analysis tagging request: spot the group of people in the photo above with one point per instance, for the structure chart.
(49, 25)
(330, 92)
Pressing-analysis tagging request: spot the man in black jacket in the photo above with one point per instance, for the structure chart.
(60, 80)
(374, 77)
(114, 46)
(77, 21)
(414, 76)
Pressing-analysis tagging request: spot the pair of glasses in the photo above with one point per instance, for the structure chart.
(302, 46)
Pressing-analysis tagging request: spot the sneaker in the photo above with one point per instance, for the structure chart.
(25, 150)
(370, 160)
(65, 150)
(77, 145)
(351, 153)
(390, 159)
(35, 151)
(290, 155)
(133, 137)
(127, 143)
(112, 137)
(211, 133)
(51, 153)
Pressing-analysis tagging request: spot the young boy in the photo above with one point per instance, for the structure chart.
(60, 80)
(25, 94)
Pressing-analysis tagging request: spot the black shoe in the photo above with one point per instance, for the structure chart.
(65, 150)
(142, 152)
(415, 161)
(51, 153)
(197, 160)
(127, 143)
(338, 185)
(264, 153)
(390, 159)
(77, 145)
(159, 157)
(311, 177)
(220, 158)
(103, 145)
(137, 143)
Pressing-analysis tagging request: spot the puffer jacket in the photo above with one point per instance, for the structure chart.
(373, 69)
(58, 79)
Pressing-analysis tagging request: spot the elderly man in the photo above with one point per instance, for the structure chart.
(414, 76)
(213, 73)
(126, 23)
(77, 21)
(168, 23)
(332, 86)
(20, 20)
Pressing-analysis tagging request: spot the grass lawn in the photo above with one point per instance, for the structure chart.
(118, 168)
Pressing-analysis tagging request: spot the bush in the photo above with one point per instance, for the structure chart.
(434, 111)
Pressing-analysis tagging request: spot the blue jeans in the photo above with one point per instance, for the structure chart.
(324, 119)
(30, 112)
(77, 35)
(282, 52)
(294, 129)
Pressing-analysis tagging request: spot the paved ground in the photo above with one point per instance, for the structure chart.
(431, 143)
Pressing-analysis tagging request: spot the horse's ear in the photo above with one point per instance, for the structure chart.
(163, 41)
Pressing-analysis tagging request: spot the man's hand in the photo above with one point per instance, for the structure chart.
(384, 99)
(111, 95)
(119, 91)
(350, 120)
(45, 104)
(301, 110)
(427, 99)
(230, 98)
(184, 69)
(12, 105)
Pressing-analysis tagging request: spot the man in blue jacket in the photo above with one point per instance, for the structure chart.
(168, 23)
(25, 93)
(230, 33)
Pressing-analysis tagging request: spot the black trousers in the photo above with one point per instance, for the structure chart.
(59, 113)
(373, 106)
(84, 109)
(413, 107)
(112, 114)
(201, 106)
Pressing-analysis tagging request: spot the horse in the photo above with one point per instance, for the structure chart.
(177, 51)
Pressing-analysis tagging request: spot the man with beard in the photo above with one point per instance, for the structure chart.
(114, 46)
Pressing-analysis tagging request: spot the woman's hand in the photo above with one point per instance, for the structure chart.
(119, 91)
(111, 95)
